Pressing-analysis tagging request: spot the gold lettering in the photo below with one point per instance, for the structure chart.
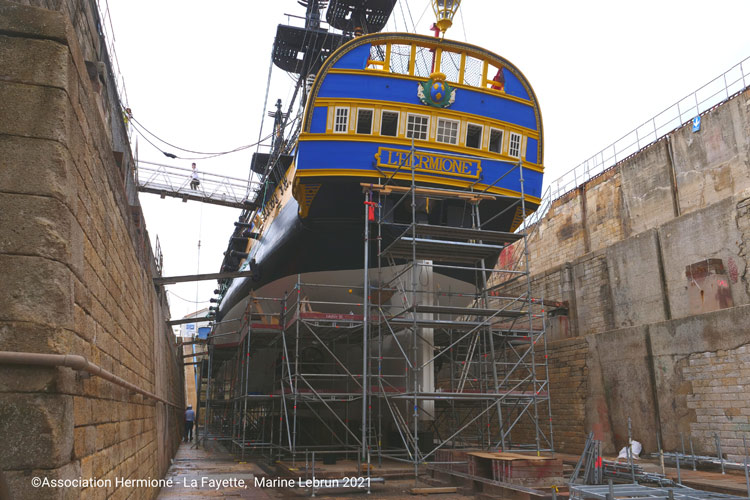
(424, 162)
(433, 163)
(401, 160)
(396, 159)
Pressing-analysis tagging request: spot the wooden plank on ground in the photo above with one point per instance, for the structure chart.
(506, 456)
(433, 490)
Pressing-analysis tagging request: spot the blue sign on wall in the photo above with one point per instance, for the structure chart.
(696, 124)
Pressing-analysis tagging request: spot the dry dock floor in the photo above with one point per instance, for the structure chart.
(214, 473)
(195, 473)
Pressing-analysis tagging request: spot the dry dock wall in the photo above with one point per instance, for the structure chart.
(651, 257)
(77, 269)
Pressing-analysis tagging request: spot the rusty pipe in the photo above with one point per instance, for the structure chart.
(75, 362)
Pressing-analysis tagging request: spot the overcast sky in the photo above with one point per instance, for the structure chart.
(196, 75)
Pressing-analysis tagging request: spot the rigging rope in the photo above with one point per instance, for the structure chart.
(188, 300)
(403, 15)
(178, 147)
(265, 103)
(420, 17)
(463, 26)
(209, 155)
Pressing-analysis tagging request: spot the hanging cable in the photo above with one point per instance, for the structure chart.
(394, 19)
(403, 15)
(177, 147)
(168, 155)
(212, 155)
(188, 300)
(463, 26)
(420, 17)
(265, 101)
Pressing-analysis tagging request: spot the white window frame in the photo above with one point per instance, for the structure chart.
(426, 126)
(466, 135)
(340, 127)
(442, 121)
(514, 135)
(502, 138)
(398, 122)
(372, 121)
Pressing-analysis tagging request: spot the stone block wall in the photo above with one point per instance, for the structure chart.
(643, 279)
(77, 269)
(682, 173)
(563, 225)
(635, 279)
(648, 192)
(719, 381)
(603, 211)
(712, 164)
(569, 373)
(593, 296)
(569, 385)
(618, 252)
(698, 362)
(676, 377)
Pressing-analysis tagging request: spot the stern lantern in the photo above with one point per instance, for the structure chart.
(444, 12)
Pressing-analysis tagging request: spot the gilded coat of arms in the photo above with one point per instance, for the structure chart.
(436, 92)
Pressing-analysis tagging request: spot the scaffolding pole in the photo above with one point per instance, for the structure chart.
(442, 367)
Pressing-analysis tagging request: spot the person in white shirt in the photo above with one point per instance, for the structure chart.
(194, 181)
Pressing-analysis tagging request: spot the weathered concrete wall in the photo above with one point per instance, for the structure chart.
(636, 289)
(680, 174)
(684, 376)
(713, 164)
(647, 183)
(636, 341)
(77, 274)
(643, 279)
(711, 232)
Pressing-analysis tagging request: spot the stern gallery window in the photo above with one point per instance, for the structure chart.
(514, 148)
(447, 131)
(416, 127)
(341, 120)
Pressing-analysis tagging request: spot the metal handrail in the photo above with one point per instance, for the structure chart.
(713, 93)
(177, 180)
(78, 363)
(107, 31)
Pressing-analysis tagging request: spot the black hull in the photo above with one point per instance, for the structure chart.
(331, 238)
(291, 246)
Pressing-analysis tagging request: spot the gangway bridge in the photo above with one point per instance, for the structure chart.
(168, 180)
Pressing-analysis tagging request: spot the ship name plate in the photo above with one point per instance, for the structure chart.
(429, 163)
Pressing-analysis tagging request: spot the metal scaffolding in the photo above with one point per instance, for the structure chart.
(474, 365)
(392, 367)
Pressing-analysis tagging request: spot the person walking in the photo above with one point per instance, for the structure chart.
(194, 181)
(189, 420)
